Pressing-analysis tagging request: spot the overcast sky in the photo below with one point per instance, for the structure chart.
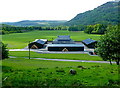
(17, 10)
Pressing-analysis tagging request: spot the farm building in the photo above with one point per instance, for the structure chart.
(63, 40)
(89, 43)
(64, 43)
(65, 47)
(38, 43)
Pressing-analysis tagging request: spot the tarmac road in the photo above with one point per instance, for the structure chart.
(44, 51)
(65, 60)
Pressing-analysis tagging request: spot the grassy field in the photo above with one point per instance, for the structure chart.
(20, 72)
(23, 72)
(55, 56)
(21, 40)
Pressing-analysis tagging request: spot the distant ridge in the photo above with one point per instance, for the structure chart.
(36, 23)
(107, 13)
(104, 14)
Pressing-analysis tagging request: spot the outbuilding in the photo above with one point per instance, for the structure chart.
(89, 43)
(65, 47)
(64, 43)
(38, 43)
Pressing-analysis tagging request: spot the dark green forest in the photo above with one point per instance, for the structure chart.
(107, 13)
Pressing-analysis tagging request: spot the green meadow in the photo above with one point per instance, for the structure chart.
(55, 56)
(21, 72)
(21, 40)
(24, 72)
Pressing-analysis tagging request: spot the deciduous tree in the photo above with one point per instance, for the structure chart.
(109, 45)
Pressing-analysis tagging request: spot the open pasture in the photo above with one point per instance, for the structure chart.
(24, 72)
(20, 72)
(55, 56)
(21, 40)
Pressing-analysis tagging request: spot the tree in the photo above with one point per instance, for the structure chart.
(73, 28)
(4, 50)
(100, 28)
(109, 45)
(89, 29)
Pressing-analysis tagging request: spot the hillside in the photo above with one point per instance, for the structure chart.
(104, 14)
(36, 23)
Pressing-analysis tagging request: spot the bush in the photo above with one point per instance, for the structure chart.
(3, 51)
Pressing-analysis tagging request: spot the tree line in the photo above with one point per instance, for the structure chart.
(90, 29)
(6, 29)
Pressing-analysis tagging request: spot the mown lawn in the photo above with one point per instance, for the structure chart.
(20, 72)
(21, 40)
(55, 56)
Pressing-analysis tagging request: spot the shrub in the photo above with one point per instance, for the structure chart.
(3, 51)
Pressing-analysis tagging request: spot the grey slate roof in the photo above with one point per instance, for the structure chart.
(63, 36)
(40, 41)
(89, 41)
(63, 40)
(65, 45)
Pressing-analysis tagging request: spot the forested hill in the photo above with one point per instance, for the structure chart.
(104, 14)
(36, 23)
